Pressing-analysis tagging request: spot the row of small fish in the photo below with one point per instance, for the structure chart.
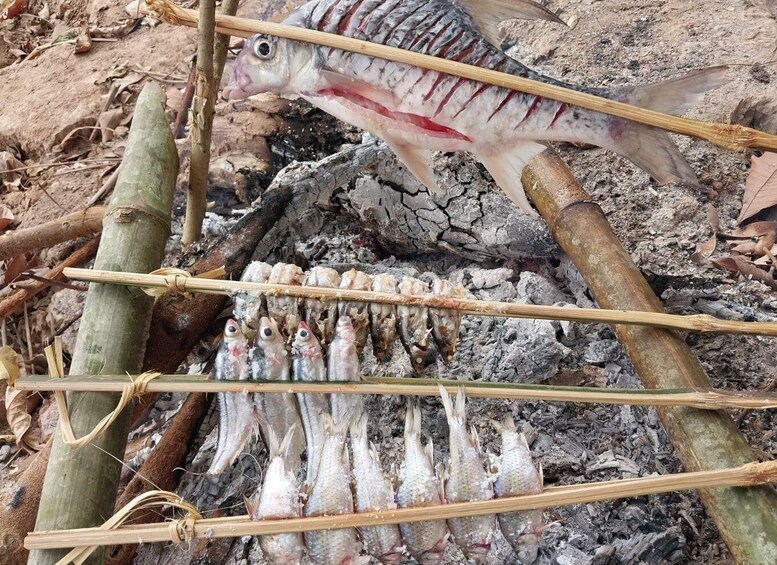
(324, 422)
(384, 322)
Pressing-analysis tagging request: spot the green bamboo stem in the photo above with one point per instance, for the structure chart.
(80, 485)
(747, 518)
(711, 399)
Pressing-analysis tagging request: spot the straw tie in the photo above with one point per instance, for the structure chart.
(135, 388)
(175, 280)
(179, 530)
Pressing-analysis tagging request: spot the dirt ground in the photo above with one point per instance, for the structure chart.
(50, 104)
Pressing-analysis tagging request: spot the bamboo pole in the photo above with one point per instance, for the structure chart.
(750, 474)
(747, 518)
(205, 89)
(697, 323)
(711, 399)
(728, 136)
(80, 485)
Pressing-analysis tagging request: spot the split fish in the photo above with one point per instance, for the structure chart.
(418, 111)
(446, 323)
(357, 311)
(413, 332)
(321, 315)
(237, 411)
(278, 411)
(517, 475)
(279, 498)
(285, 310)
(249, 307)
(383, 318)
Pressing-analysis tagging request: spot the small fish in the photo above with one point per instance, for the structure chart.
(420, 486)
(278, 411)
(330, 494)
(279, 498)
(357, 311)
(237, 412)
(321, 315)
(308, 365)
(373, 493)
(518, 475)
(412, 324)
(343, 365)
(466, 481)
(446, 323)
(249, 307)
(383, 318)
(285, 310)
(417, 111)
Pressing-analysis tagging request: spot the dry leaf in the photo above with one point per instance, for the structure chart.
(18, 419)
(6, 217)
(14, 267)
(760, 187)
(746, 268)
(707, 247)
(107, 122)
(9, 9)
(755, 229)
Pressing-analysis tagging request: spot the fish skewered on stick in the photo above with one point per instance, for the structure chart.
(249, 307)
(413, 331)
(320, 315)
(417, 111)
(383, 318)
(285, 310)
(357, 311)
(343, 365)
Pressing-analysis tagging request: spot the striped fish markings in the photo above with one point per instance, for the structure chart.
(418, 111)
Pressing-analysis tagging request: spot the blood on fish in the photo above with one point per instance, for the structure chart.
(534, 105)
(562, 107)
(502, 104)
(455, 87)
(413, 119)
(343, 25)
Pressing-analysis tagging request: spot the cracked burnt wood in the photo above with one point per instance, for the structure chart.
(471, 217)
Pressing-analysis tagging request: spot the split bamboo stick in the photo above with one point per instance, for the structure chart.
(712, 399)
(729, 136)
(80, 485)
(746, 518)
(697, 323)
(745, 475)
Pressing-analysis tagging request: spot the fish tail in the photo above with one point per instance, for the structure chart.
(446, 402)
(460, 407)
(507, 423)
(652, 149)
(359, 426)
(285, 446)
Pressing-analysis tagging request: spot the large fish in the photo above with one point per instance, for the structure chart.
(279, 498)
(518, 475)
(278, 411)
(237, 412)
(417, 111)
(466, 481)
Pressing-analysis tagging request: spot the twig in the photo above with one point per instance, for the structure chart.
(72, 226)
(729, 136)
(79, 256)
(107, 186)
(179, 125)
(205, 89)
(745, 475)
(698, 322)
(710, 399)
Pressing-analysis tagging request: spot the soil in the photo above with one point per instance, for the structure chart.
(610, 43)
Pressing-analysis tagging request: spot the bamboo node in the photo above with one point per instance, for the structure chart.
(127, 214)
(135, 388)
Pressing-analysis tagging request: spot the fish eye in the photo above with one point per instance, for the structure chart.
(264, 47)
(267, 332)
(231, 328)
(303, 333)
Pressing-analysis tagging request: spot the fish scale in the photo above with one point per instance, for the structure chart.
(418, 111)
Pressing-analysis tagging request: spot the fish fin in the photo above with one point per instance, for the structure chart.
(508, 423)
(473, 434)
(488, 14)
(418, 161)
(652, 149)
(429, 451)
(441, 473)
(286, 443)
(676, 95)
(460, 407)
(507, 167)
(358, 426)
(446, 402)
(522, 441)
(360, 88)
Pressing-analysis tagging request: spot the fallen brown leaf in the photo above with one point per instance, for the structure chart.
(11, 8)
(755, 229)
(760, 187)
(16, 400)
(14, 267)
(744, 267)
(6, 217)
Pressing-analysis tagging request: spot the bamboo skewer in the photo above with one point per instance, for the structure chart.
(698, 323)
(729, 136)
(711, 399)
(745, 475)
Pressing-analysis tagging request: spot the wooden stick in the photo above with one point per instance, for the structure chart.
(81, 255)
(71, 226)
(80, 485)
(698, 323)
(746, 475)
(702, 439)
(729, 136)
(712, 399)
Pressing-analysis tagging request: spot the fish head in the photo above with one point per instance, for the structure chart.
(305, 342)
(345, 331)
(234, 339)
(527, 549)
(267, 64)
(269, 336)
